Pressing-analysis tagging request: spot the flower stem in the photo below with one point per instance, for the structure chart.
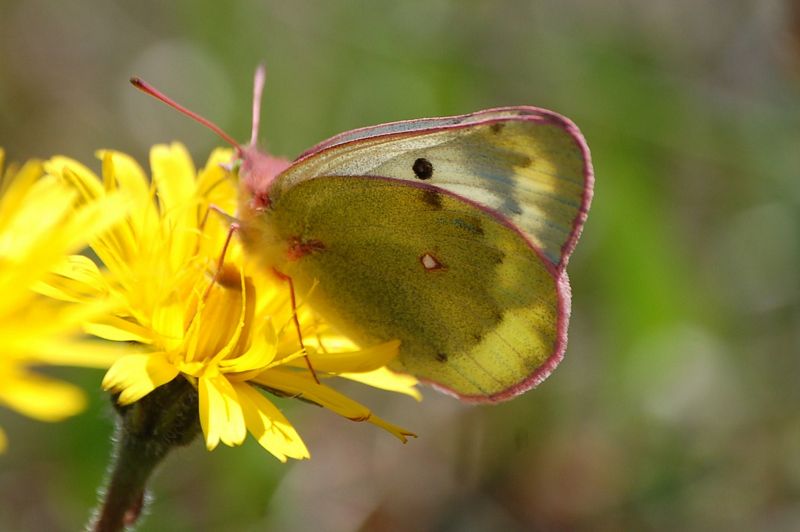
(146, 431)
(123, 500)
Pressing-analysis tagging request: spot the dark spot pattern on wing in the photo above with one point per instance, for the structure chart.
(432, 198)
(423, 168)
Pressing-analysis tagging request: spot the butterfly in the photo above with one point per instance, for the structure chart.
(449, 234)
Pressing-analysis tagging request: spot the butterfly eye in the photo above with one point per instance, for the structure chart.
(423, 168)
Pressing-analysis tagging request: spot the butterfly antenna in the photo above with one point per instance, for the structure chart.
(258, 90)
(155, 93)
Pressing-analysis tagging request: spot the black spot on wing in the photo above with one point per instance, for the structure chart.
(497, 127)
(441, 357)
(423, 168)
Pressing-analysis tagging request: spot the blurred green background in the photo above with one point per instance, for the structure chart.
(676, 406)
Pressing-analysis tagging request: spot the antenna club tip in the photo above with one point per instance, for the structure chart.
(137, 82)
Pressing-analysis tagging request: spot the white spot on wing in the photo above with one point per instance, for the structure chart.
(430, 263)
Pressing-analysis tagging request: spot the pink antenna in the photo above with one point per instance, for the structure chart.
(152, 91)
(258, 90)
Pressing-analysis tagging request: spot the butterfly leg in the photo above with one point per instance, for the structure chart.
(218, 274)
(283, 277)
(233, 226)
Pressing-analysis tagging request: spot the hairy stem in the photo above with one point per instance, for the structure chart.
(146, 431)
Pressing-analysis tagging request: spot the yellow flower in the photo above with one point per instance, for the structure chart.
(40, 225)
(230, 333)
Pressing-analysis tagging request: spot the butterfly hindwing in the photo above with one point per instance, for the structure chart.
(476, 311)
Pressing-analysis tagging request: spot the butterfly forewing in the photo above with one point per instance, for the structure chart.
(529, 165)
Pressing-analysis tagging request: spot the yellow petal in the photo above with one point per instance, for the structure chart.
(362, 360)
(38, 329)
(79, 176)
(83, 353)
(95, 218)
(40, 397)
(215, 184)
(259, 355)
(174, 177)
(42, 209)
(226, 318)
(221, 416)
(16, 183)
(398, 431)
(173, 174)
(386, 379)
(168, 322)
(85, 182)
(134, 376)
(208, 403)
(121, 173)
(125, 174)
(119, 330)
(301, 385)
(269, 426)
(76, 279)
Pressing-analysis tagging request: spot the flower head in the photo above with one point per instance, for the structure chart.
(228, 330)
(40, 225)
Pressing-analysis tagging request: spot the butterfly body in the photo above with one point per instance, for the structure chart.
(449, 234)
